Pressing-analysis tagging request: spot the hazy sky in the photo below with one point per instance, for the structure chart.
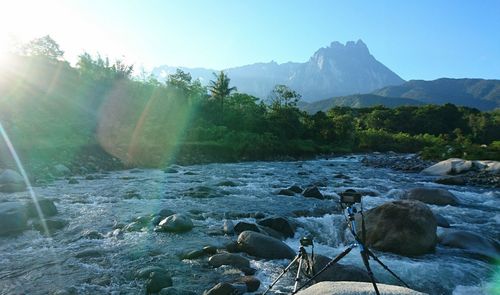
(416, 39)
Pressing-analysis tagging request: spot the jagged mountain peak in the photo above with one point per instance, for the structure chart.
(339, 69)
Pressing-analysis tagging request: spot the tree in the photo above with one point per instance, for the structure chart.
(43, 46)
(283, 97)
(220, 89)
(180, 80)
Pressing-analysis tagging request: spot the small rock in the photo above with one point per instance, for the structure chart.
(228, 227)
(313, 192)
(235, 260)
(52, 224)
(434, 196)
(441, 220)
(46, 206)
(243, 226)
(263, 246)
(175, 223)
(227, 183)
(452, 180)
(210, 250)
(195, 254)
(92, 235)
(251, 282)
(13, 218)
(471, 242)
(279, 224)
(89, 253)
(222, 289)
(60, 170)
(11, 181)
(170, 170)
(296, 189)
(286, 192)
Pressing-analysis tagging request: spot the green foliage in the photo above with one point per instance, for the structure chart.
(282, 97)
(43, 46)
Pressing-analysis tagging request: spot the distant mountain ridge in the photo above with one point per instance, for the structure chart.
(332, 71)
(477, 93)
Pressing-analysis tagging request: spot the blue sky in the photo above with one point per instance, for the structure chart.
(416, 39)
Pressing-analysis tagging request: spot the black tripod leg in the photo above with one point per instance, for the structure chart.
(333, 261)
(386, 267)
(282, 273)
(364, 256)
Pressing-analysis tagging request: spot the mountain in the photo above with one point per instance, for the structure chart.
(478, 93)
(357, 101)
(331, 71)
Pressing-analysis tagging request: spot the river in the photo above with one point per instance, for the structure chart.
(33, 263)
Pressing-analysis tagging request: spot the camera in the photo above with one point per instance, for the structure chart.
(306, 241)
(350, 197)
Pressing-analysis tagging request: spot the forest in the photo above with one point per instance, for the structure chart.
(51, 109)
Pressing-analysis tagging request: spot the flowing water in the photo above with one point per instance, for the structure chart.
(70, 260)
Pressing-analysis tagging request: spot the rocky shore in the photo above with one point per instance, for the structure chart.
(474, 173)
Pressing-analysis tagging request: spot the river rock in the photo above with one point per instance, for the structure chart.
(235, 260)
(13, 218)
(279, 224)
(170, 170)
(403, 227)
(175, 291)
(313, 192)
(434, 196)
(11, 181)
(53, 224)
(251, 282)
(263, 246)
(228, 183)
(449, 167)
(175, 223)
(286, 192)
(451, 180)
(158, 280)
(441, 220)
(228, 227)
(470, 242)
(47, 208)
(296, 189)
(360, 288)
(222, 289)
(337, 271)
(491, 166)
(243, 226)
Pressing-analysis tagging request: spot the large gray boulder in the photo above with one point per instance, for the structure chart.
(449, 167)
(434, 196)
(13, 218)
(263, 246)
(11, 181)
(348, 288)
(471, 243)
(403, 227)
(175, 223)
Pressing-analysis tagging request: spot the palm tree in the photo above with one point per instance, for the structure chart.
(219, 89)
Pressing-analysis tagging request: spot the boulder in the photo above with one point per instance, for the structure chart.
(235, 260)
(313, 192)
(13, 218)
(263, 246)
(491, 166)
(434, 196)
(11, 181)
(449, 167)
(361, 288)
(403, 227)
(46, 206)
(228, 227)
(279, 224)
(175, 223)
(471, 242)
(337, 271)
(222, 289)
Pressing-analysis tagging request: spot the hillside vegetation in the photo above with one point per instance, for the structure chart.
(53, 111)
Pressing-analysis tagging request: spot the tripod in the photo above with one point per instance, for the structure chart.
(300, 257)
(363, 250)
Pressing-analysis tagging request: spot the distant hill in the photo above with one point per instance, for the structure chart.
(357, 101)
(331, 71)
(478, 93)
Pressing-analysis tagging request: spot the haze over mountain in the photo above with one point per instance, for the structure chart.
(331, 71)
